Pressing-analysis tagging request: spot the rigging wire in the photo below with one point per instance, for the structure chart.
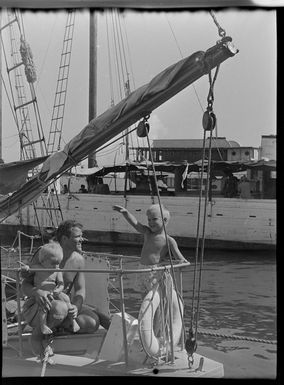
(122, 47)
(203, 236)
(128, 55)
(119, 81)
(23, 151)
(121, 60)
(140, 142)
(109, 63)
(182, 56)
(9, 101)
(120, 63)
(199, 254)
(10, 85)
(125, 70)
(221, 31)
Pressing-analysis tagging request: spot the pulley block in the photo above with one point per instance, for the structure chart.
(143, 128)
(190, 344)
(209, 120)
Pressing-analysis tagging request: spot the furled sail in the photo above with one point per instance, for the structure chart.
(137, 105)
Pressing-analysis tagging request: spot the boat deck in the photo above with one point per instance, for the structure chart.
(117, 351)
(68, 365)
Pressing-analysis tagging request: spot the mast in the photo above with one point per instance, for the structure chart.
(92, 161)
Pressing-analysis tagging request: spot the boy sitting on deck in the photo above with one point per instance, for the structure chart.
(50, 256)
(155, 245)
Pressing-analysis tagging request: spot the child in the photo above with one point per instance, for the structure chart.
(50, 256)
(154, 248)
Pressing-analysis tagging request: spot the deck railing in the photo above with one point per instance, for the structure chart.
(116, 270)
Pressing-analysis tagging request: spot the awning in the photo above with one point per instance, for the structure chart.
(170, 167)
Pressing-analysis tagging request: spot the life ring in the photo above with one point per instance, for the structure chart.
(146, 321)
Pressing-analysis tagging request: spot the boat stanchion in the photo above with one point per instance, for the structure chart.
(125, 344)
(18, 272)
(181, 294)
(171, 333)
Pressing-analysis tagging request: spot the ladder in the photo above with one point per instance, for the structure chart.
(21, 72)
(55, 132)
(21, 76)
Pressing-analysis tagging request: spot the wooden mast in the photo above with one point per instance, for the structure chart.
(92, 161)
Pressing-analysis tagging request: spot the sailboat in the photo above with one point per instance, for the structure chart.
(120, 350)
(232, 223)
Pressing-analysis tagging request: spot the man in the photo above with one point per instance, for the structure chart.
(70, 236)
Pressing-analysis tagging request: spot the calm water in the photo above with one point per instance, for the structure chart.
(238, 297)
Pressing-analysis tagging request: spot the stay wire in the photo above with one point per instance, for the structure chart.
(221, 31)
(196, 297)
(182, 56)
(197, 236)
(109, 63)
(203, 233)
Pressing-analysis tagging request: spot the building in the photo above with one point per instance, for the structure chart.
(262, 175)
(268, 147)
(179, 150)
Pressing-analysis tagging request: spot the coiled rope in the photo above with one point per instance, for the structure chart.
(234, 337)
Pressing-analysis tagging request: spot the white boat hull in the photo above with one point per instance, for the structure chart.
(83, 360)
(231, 223)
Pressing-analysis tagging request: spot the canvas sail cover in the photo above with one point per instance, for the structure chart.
(101, 129)
(13, 175)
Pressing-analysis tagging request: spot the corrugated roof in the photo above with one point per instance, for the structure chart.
(193, 143)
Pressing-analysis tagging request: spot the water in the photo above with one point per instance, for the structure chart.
(238, 297)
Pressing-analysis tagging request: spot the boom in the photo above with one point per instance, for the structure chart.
(137, 105)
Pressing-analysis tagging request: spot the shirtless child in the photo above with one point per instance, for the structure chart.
(155, 248)
(49, 257)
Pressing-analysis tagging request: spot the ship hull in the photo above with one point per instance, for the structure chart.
(230, 223)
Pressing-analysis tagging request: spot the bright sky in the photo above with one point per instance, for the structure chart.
(245, 90)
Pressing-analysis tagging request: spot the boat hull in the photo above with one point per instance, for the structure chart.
(84, 361)
(230, 223)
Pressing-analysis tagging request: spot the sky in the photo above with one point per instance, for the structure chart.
(244, 92)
